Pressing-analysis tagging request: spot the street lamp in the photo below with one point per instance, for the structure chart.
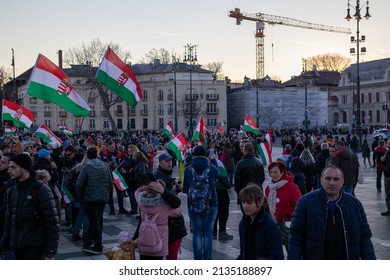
(358, 39)
(14, 97)
(190, 57)
(312, 74)
(174, 64)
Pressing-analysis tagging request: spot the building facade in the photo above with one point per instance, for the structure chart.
(374, 95)
(166, 97)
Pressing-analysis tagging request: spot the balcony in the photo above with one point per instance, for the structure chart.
(63, 114)
(212, 112)
(161, 112)
(212, 96)
(47, 114)
(105, 113)
(92, 114)
(195, 96)
(131, 112)
(119, 113)
(170, 96)
(144, 112)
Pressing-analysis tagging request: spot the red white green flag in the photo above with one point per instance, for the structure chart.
(241, 133)
(47, 135)
(220, 130)
(67, 195)
(118, 180)
(168, 131)
(199, 134)
(265, 149)
(312, 138)
(50, 83)
(9, 130)
(19, 115)
(118, 77)
(221, 168)
(178, 146)
(68, 132)
(250, 125)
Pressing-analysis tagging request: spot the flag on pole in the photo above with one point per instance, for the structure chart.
(9, 130)
(312, 138)
(178, 146)
(19, 115)
(241, 133)
(199, 134)
(265, 149)
(47, 135)
(68, 132)
(168, 131)
(117, 76)
(250, 125)
(50, 83)
(67, 195)
(61, 126)
(220, 130)
(118, 180)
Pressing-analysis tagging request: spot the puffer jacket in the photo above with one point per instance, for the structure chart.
(94, 182)
(23, 227)
(200, 164)
(308, 227)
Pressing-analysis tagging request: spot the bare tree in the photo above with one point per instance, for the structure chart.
(329, 62)
(269, 116)
(4, 77)
(88, 57)
(162, 54)
(215, 67)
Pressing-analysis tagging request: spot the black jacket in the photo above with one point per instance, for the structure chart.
(23, 227)
(248, 169)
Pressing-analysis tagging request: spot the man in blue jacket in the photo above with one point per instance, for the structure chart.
(329, 224)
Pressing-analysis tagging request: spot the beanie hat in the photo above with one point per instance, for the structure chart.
(23, 160)
(199, 151)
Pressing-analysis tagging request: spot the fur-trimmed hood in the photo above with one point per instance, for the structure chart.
(150, 201)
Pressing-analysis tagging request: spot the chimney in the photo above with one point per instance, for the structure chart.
(60, 58)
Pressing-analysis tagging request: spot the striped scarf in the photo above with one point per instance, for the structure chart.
(272, 194)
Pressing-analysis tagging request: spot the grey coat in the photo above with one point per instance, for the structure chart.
(94, 182)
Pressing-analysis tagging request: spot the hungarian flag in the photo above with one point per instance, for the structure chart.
(250, 125)
(68, 132)
(312, 138)
(118, 180)
(265, 149)
(50, 83)
(220, 130)
(178, 146)
(61, 127)
(47, 135)
(118, 77)
(9, 130)
(200, 130)
(221, 168)
(67, 195)
(241, 133)
(19, 115)
(168, 131)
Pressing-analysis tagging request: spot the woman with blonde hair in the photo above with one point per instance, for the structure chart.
(259, 233)
(309, 170)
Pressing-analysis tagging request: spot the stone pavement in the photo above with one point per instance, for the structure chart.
(373, 203)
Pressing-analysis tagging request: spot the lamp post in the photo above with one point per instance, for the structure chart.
(174, 63)
(14, 97)
(358, 39)
(306, 121)
(190, 57)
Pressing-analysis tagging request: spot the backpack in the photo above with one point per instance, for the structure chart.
(199, 194)
(149, 240)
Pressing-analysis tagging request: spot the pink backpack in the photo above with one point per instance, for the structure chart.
(149, 240)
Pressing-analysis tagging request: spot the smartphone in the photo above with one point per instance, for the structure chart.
(211, 152)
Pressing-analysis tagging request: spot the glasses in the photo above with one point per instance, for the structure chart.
(336, 179)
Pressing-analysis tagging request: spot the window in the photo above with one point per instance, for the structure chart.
(362, 98)
(106, 124)
(119, 124)
(161, 123)
(344, 99)
(145, 95)
(48, 123)
(132, 123)
(378, 116)
(161, 109)
(33, 100)
(377, 97)
(388, 96)
(170, 108)
(145, 123)
(119, 111)
(211, 122)
(91, 124)
(369, 97)
(160, 95)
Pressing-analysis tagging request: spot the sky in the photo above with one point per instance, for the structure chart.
(46, 26)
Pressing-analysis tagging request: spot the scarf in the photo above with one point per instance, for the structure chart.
(272, 194)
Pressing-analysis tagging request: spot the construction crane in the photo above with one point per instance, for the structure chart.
(261, 19)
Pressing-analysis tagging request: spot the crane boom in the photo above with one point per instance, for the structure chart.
(261, 18)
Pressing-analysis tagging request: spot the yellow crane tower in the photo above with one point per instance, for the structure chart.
(261, 19)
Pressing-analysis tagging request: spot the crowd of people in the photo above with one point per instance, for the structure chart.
(308, 205)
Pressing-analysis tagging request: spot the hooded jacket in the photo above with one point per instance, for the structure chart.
(349, 164)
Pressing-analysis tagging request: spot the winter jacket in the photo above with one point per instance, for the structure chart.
(200, 164)
(248, 169)
(264, 237)
(320, 161)
(308, 227)
(176, 225)
(298, 169)
(378, 153)
(94, 182)
(24, 227)
(349, 164)
(151, 206)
